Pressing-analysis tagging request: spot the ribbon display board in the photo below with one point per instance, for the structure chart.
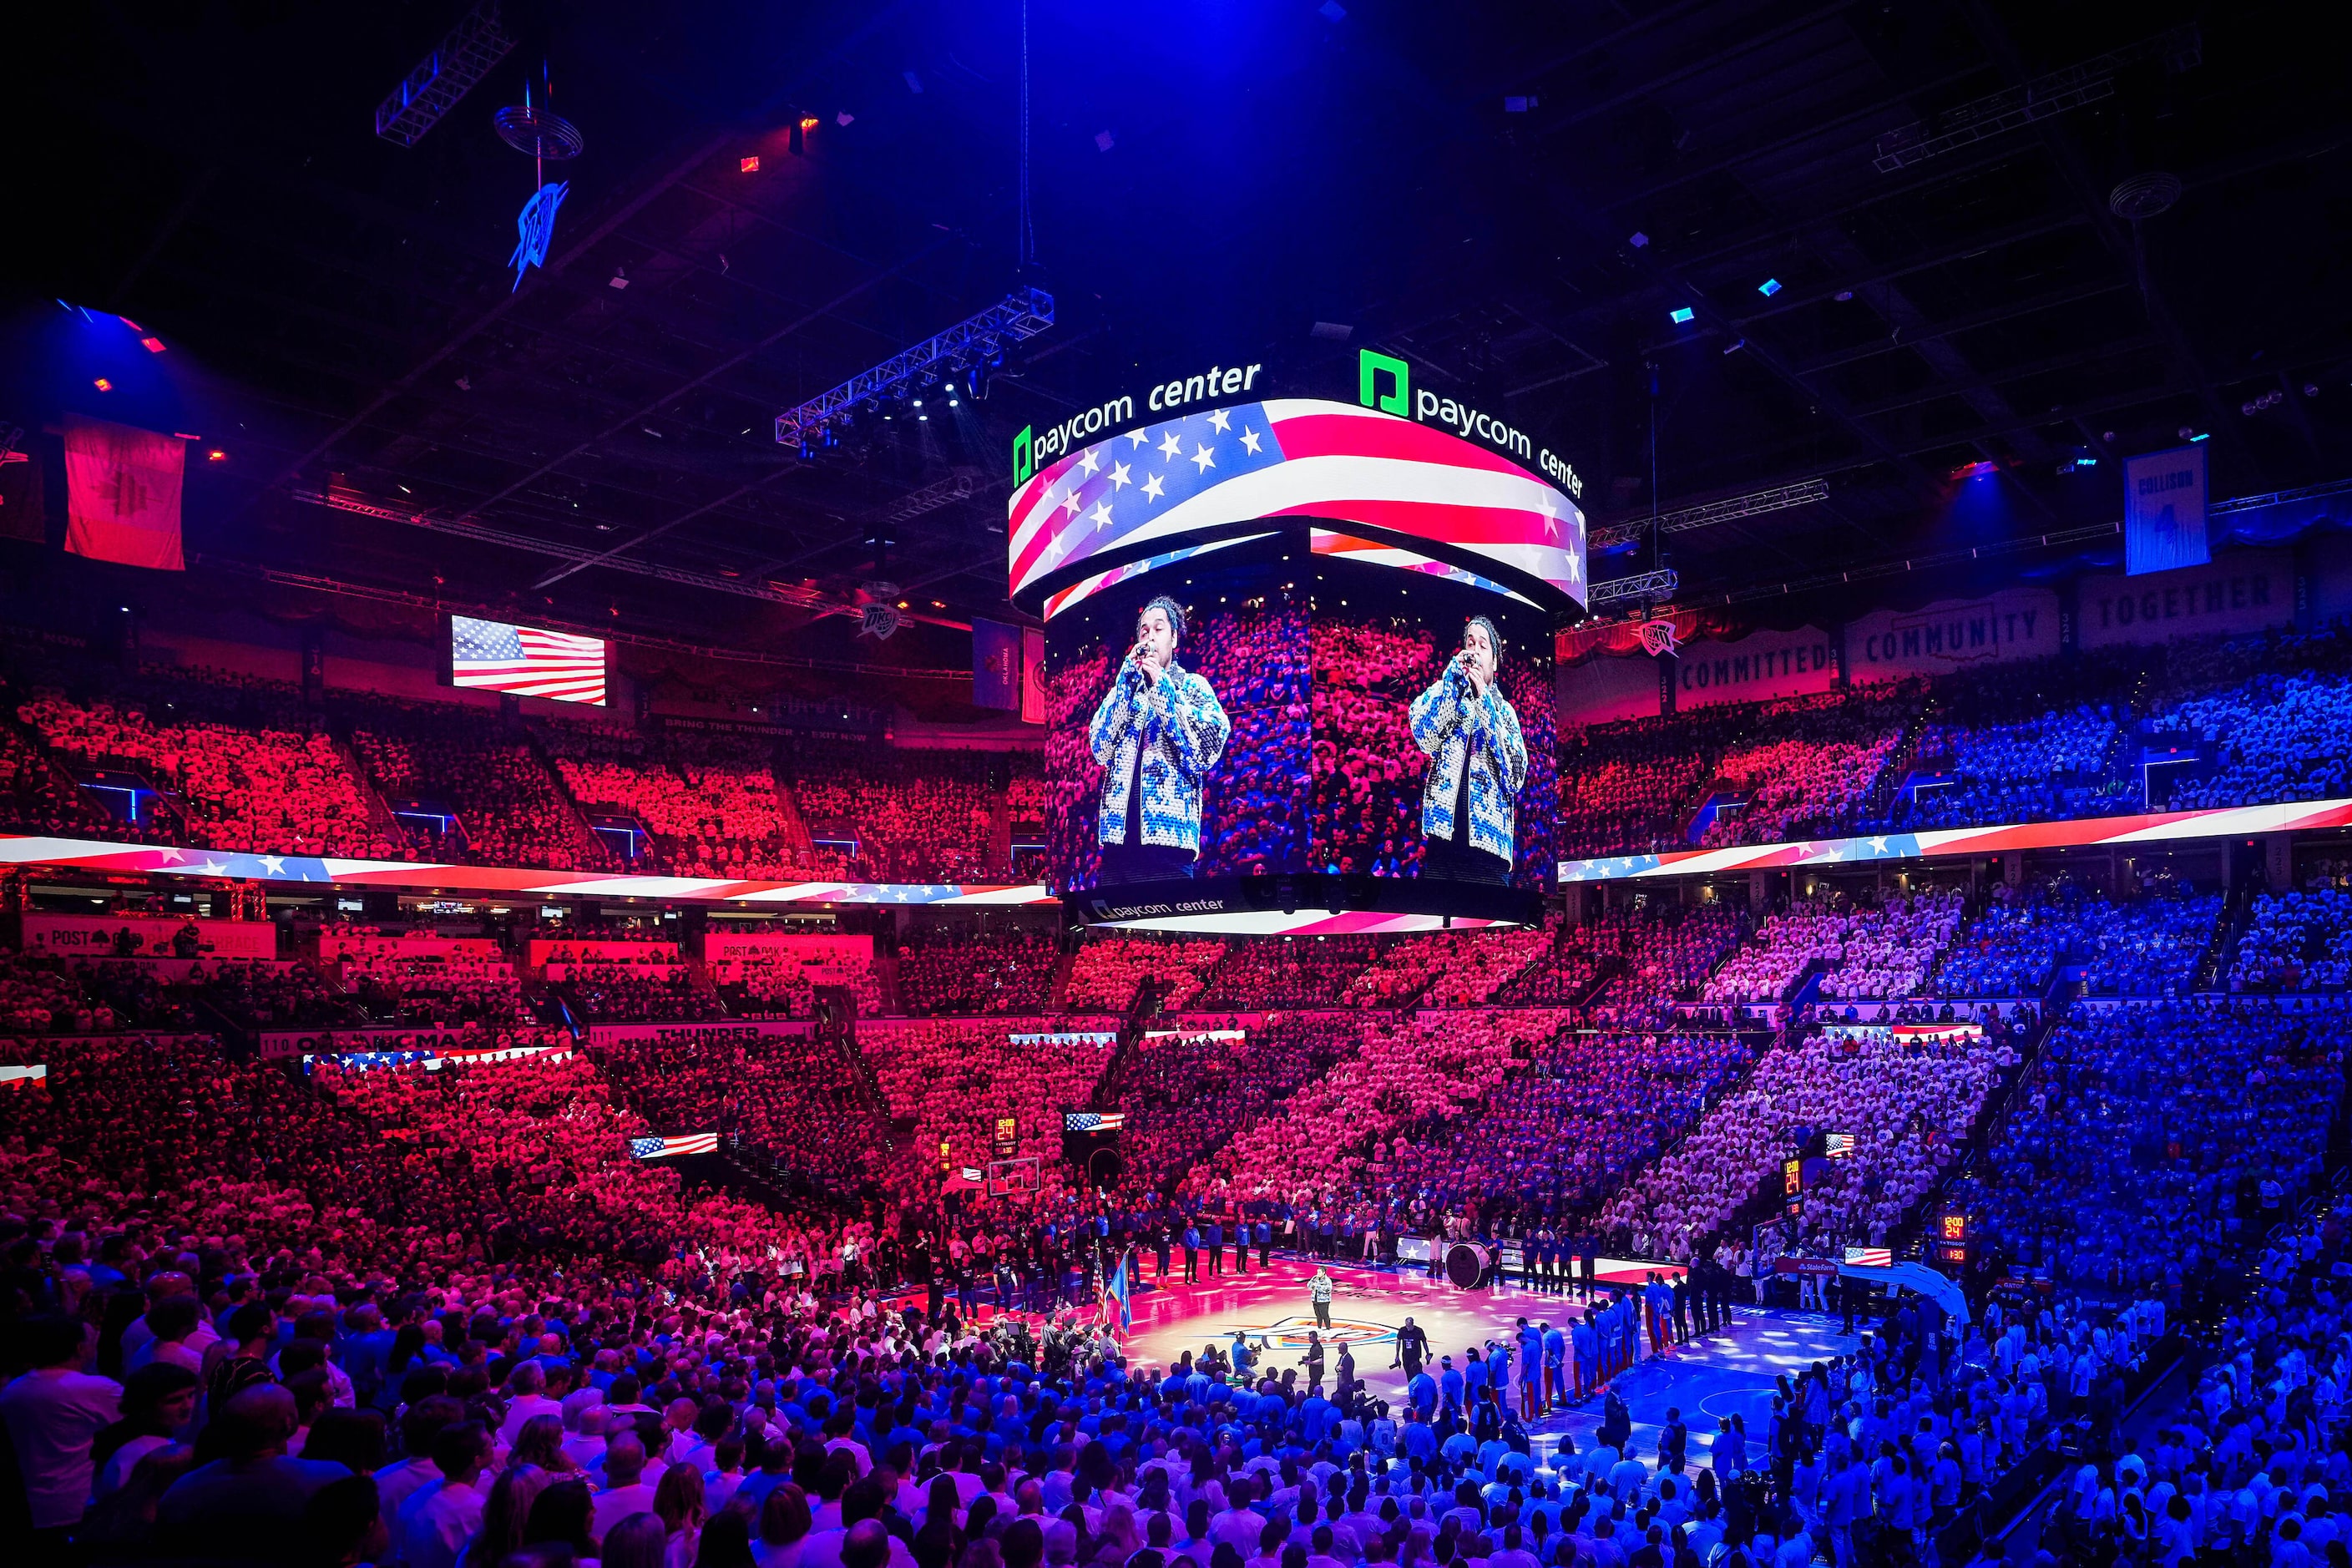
(539, 952)
(828, 951)
(433, 1039)
(332, 947)
(97, 936)
(732, 1032)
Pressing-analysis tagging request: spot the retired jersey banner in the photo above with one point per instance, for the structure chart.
(2164, 511)
(122, 493)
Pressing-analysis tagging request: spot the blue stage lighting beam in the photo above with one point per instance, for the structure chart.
(1022, 315)
(445, 76)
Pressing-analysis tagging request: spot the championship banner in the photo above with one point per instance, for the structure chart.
(101, 936)
(122, 493)
(2164, 511)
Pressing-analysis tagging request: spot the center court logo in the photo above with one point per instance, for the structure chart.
(1290, 1333)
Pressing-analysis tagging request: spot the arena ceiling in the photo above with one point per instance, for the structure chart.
(1916, 241)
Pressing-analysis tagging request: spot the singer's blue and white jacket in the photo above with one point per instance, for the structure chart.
(1176, 720)
(1449, 724)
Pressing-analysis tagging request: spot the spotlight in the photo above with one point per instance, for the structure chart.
(1770, 286)
(153, 345)
(103, 385)
(752, 164)
(1844, 295)
(1637, 239)
(217, 456)
(2202, 436)
(1682, 315)
(620, 279)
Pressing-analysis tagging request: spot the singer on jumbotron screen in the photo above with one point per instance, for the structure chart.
(1159, 732)
(1478, 764)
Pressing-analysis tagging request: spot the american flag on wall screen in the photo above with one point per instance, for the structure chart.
(495, 656)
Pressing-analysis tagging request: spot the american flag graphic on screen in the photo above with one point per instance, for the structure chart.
(526, 661)
(678, 1143)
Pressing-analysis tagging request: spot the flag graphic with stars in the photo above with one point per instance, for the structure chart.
(1292, 458)
(682, 1144)
(526, 661)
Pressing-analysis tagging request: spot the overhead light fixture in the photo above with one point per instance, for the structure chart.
(103, 385)
(217, 456)
(844, 118)
(1637, 239)
(2202, 436)
(620, 279)
(1682, 315)
(1770, 286)
(752, 164)
(153, 345)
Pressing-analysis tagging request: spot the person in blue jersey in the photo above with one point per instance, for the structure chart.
(1478, 764)
(1157, 733)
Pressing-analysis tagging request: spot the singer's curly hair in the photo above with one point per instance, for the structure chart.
(1494, 637)
(1175, 614)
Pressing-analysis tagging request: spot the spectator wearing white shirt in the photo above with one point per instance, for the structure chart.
(439, 1518)
(52, 1411)
(625, 1490)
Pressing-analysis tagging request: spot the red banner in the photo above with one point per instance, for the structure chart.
(123, 494)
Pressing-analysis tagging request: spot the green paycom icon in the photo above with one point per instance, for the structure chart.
(1371, 364)
(1024, 462)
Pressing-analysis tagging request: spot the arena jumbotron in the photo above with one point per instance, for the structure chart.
(1174, 787)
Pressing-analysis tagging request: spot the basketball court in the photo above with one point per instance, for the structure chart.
(1731, 1372)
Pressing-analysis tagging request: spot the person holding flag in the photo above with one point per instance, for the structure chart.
(1117, 1290)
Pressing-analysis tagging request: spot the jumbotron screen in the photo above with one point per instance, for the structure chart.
(1304, 722)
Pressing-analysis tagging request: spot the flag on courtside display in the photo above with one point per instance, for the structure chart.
(1115, 1290)
(122, 493)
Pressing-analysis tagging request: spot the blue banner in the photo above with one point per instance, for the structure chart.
(2163, 510)
(995, 665)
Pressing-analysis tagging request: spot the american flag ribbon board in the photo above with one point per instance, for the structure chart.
(677, 1143)
(526, 662)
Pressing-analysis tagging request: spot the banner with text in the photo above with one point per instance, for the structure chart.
(151, 936)
(736, 1032)
(1758, 667)
(2164, 511)
(2244, 592)
(1608, 688)
(1954, 633)
(815, 949)
(541, 951)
